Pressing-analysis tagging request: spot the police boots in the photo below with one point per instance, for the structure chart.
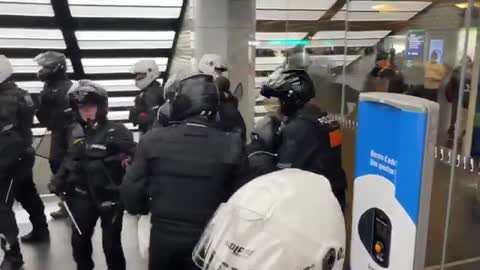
(13, 259)
(36, 236)
(61, 213)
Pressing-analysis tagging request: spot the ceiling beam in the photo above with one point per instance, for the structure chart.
(310, 27)
(125, 24)
(125, 53)
(65, 22)
(23, 53)
(333, 10)
(115, 76)
(11, 21)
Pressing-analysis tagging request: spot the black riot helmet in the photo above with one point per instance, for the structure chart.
(195, 95)
(293, 88)
(86, 92)
(53, 65)
(266, 131)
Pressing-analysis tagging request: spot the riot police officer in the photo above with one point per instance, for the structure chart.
(53, 109)
(263, 146)
(230, 118)
(91, 173)
(151, 96)
(183, 172)
(307, 138)
(16, 162)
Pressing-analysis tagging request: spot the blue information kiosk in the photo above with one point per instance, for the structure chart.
(393, 177)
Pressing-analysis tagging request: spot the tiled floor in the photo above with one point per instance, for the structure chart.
(58, 254)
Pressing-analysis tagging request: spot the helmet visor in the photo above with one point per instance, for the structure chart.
(140, 76)
(238, 238)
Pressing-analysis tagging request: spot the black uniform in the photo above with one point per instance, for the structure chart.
(310, 141)
(146, 105)
(16, 162)
(89, 176)
(53, 113)
(91, 173)
(181, 174)
(262, 150)
(307, 138)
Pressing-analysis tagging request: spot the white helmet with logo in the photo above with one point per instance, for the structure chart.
(6, 69)
(145, 71)
(211, 64)
(285, 220)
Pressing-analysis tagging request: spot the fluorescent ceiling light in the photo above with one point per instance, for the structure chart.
(335, 58)
(126, 8)
(124, 35)
(40, 8)
(259, 36)
(31, 38)
(268, 63)
(259, 98)
(117, 65)
(374, 16)
(330, 35)
(341, 43)
(129, 3)
(289, 15)
(465, 5)
(118, 115)
(387, 6)
(269, 60)
(260, 109)
(297, 4)
(265, 45)
(125, 39)
(120, 85)
(39, 131)
(27, 65)
(33, 87)
(267, 67)
(130, 126)
(259, 81)
(114, 102)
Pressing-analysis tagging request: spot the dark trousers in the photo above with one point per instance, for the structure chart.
(8, 225)
(9, 236)
(26, 192)
(171, 246)
(430, 94)
(86, 214)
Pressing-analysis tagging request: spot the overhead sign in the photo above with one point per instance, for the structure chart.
(436, 50)
(415, 45)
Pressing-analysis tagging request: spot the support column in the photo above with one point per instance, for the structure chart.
(225, 27)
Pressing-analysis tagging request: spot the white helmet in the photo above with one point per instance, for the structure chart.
(6, 69)
(285, 220)
(146, 71)
(211, 63)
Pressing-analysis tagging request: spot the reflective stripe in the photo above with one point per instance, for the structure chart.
(7, 127)
(196, 125)
(262, 152)
(81, 191)
(98, 146)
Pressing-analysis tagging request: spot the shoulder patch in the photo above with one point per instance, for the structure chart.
(335, 138)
